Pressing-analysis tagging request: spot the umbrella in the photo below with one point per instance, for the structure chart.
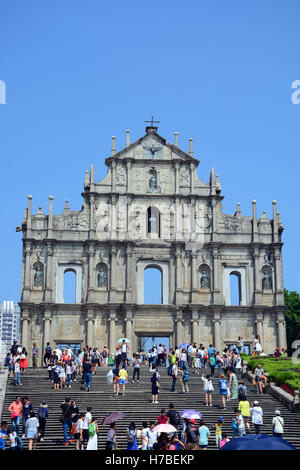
(190, 414)
(184, 345)
(123, 339)
(165, 428)
(258, 442)
(112, 418)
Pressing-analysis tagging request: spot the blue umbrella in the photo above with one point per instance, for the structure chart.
(258, 442)
(184, 345)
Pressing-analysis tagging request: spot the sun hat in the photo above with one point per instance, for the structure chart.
(255, 402)
(277, 412)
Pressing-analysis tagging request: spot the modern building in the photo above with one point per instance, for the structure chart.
(152, 211)
(9, 326)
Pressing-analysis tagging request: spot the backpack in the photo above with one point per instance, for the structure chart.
(42, 413)
(234, 426)
(223, 385)
(185, 376)
(92, 429)
(104, 353)
(192, 435)
(130, 437)
(48, 349)
(95, 356)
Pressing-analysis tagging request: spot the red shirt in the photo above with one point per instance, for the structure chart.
(162, 419)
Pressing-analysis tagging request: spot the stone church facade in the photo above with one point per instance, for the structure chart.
(151, 210)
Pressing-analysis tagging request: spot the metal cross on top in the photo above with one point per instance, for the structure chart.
(152, 121)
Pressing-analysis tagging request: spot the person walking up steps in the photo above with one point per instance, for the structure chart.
(207, 389)
(155, 388)
(42, 416)
(93, 435)
(257, 416)
(277, 424)
(136, 363)
(223, 385)
(123, 379)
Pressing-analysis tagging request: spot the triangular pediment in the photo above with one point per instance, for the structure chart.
(152, 146)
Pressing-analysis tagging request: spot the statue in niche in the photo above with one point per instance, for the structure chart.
(153, 181)
(267, 280)
(152, 226)
(38, 276)
(204, 279)
(102, 276)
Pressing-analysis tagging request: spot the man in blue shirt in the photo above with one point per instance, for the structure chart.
(211, 350)
(3, 434)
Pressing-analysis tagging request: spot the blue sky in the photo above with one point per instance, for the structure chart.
(77, 73)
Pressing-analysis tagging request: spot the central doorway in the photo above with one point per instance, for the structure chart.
(146, 342)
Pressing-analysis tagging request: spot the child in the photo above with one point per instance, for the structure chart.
(185, 379)
(224, 440)
(116, 379)
(218, 429)
(197, 365)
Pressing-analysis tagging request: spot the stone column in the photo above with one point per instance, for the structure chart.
(92, 274)
(195, 299)
(27, 273)
(177, 177)
(195, 326)
(179, 328)
(178, 275)
(113, 176)
(217, 331)
(25, 318)
(279, 294)
(90, 329)
(178, 220)
(259, 327)
(113, 218)
(257, 286)
(129, 164)
(214, 219)
(192, 170)
(47, 328)
(49, 275)
(281, 337)
(216, 273)
(112, 331)
(128, 329)
(92, 217)
(128, 274)
(112, 291)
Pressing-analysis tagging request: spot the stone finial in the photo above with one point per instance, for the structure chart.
(113, 145)
(238, 211)
(67, 207)
(127, 138)
(191, 151)
(218, 184)
(92, 174)
(51, 204)
(176, 139)
(86, 179)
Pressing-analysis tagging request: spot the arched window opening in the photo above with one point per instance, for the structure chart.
(69, 287)
(153, 221)
(153, 293)
(235, 289)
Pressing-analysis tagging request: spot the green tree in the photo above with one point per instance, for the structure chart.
(292, 317)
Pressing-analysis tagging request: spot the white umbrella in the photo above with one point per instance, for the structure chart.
(123, 339)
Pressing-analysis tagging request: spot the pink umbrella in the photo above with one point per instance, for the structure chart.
(165, 428)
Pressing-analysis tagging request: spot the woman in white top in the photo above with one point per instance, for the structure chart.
(257, 416)
(31, 430)
(207, 389)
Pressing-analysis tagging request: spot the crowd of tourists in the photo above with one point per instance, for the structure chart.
(82, 428)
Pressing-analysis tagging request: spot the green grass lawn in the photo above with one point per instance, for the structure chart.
(281, 370)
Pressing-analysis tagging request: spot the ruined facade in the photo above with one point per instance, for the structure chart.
(151, 210)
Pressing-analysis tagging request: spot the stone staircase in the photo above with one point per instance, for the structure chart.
(136, 404)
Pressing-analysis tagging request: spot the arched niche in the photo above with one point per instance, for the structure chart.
(267, 278)
(102, 276)
(153, 222)
(205, 276)
(38, 275)
(237, 275)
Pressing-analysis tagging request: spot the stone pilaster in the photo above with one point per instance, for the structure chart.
(177, 177)
(128, 274)
(178, 275)
(90, 322)
(113, 266)
(279, 293)
(92, 218)
(195, 298)
(27, 272)
(195, 327)
(217, 300)
(47, 328)
(112, 331)
(128, 328)
(49, 289)
(257, 280)
(281, 328)
(25, 320)
(217, 331)
(179, 328)
(259, 321)
(92, 274)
